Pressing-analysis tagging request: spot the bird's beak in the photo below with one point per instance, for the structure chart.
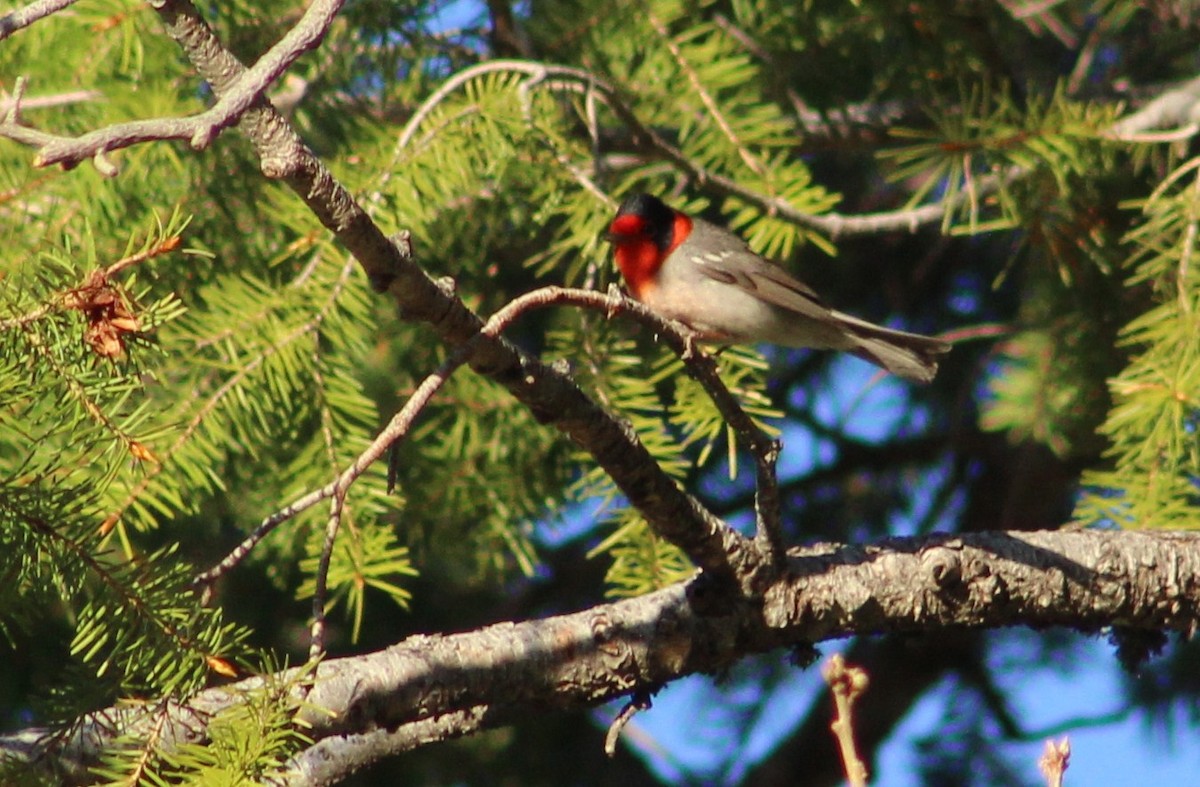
(616, 236)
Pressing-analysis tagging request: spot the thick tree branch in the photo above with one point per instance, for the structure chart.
(454, 684)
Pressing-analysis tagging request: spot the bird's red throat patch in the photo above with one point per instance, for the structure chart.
(638, 256)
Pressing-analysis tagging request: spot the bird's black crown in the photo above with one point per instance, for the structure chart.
(659, 218)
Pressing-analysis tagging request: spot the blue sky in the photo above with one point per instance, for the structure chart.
(1125, 753)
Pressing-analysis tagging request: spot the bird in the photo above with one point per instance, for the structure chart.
(706, 277)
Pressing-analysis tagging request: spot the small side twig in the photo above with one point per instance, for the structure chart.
(337, 510)
(396, 430)
(12, 113)
(316, 638)
(1055, 759)
(639, 702)
(847, 684)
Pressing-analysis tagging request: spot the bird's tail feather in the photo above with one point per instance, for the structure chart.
(908, 355)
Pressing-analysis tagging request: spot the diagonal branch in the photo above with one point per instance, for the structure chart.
(550, 394)
(24, 17)
(702, 367)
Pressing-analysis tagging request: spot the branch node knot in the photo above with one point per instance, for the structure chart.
(402, 240)
(945, 567)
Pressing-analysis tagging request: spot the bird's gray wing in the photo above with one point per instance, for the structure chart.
(764, 280)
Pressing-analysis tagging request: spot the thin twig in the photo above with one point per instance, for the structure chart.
(316, 641)
(714, 110)
(396, 429)
(51, 100)
(703, 367)
(337, 510)
(12, 112)
(847, 684)
(640, 701)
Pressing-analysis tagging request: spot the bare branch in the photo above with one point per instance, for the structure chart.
(24, 17)
(316, 636)
(678, 336)
(51, 100)
(395, 431)
(199, 130)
